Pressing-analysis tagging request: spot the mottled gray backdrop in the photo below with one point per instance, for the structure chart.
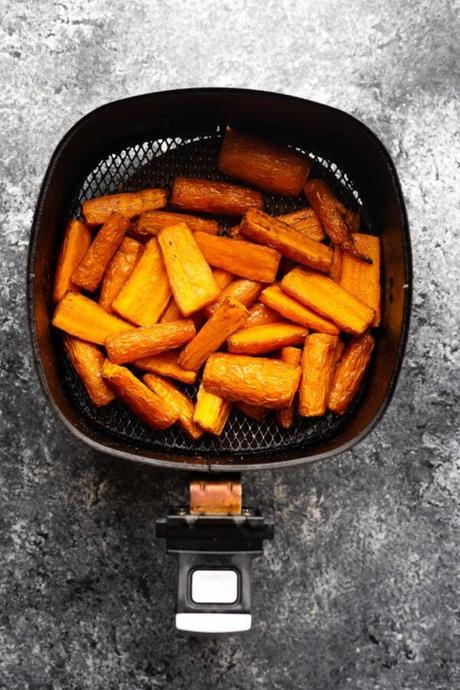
(360, 589)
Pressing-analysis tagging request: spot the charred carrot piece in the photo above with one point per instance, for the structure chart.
(165, 364)
(260, 314)
(151, 222)
(118, 271)
(77, 240)
(87, 360)
(91, 268)
(225, 321)
(253, 380)
(205, 196)
(306, 222)
(242, 258)
(80, 316)
(265, 229)
(151, 340)
(178, 401)
(318, 362)
(141, 400)
(243, 290)
(258, 340)
(189, 274)
(211, 411)
(272, 167)
(256, 412)
(292, 310)
(335, 272)
(363, 280)
(349, 372)
(332, 216)
(320, 293)
(129, 204)
(290, 355)
(144, 296)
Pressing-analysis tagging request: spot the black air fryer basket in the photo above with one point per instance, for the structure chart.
(146, 141)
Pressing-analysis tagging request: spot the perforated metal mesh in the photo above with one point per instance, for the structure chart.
(155, 164)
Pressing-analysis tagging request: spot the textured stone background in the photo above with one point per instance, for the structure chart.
(360, 588)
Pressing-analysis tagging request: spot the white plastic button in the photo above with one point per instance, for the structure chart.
(214, 586)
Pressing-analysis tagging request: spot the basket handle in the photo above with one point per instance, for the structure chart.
(214, 542)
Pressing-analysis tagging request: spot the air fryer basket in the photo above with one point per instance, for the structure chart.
(146, 141)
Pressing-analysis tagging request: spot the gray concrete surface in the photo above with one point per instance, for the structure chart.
(360, 590)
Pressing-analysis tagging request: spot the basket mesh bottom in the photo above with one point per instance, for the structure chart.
(155, 164)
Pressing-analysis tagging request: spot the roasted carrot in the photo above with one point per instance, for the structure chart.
(91, 268)
(260, 314)
(222, 278)
(272, 167)
(77, 240)
(242, 258)
(352, 219)
(172, 312)
(306, 222)
(151, 222)
(335, 271)
(129, 204)
(80, 316)
(87, 360)
(262, 228)
(211, 411)
(318, 363)
(118, 271)
(144, 296)
(178, 402)
(275, 298)
(253, 380)
(141, 400)
(258, 340)
(225, 321)
(329, 299)
(290, 355)
(151, 340)
(166, 364)
(256, 412)
(205, 196)
(361, 279)
(189, 274)
(349, 372)
(243, 290)
(332, 216)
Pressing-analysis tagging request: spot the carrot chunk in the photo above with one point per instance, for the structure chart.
(265, 229)
(253, 380)
(275, 298)
(363, 280)
(256, 412)
(144, 296)
(290, 355)
(141, 400)
(80, 316)
(194, 194)
(259, 340)
(91, 268)
(260, 314)
(272, 167)
(211, 411)
(320, 293)
(243, 290)
(129, 204)
(87, 360)
(118, 271)
(178, 402)
(225, 321)
(151, 222)
(189, 274)
(318, 361)
(77, 240)
(349, 372)
(306, 222)
(148, 341)
(166, 364)
(242, 258)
